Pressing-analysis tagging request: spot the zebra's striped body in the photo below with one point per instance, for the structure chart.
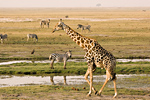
(84, 27)
(2, 37)
(60, 58)
(45, 22)
(32, 36)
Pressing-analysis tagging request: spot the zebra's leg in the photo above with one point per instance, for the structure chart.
(51, 79)
(1, 40)
(89, 30)
(51, 65)
(27, 39)
(64, 64)
(65, 80)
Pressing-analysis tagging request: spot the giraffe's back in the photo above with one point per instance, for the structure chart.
(102, 57)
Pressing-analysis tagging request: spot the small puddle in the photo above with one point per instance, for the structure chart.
(7, 81)
(71, 60)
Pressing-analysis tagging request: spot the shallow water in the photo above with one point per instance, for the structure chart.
(71, 60)
(7, 81)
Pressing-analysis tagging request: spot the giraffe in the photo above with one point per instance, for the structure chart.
(95, 55)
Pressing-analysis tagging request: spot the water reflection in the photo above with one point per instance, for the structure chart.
(52, 80)
(123, 80)
(70, 60)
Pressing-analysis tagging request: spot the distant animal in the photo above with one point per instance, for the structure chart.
(32, 36)
(60, 58)
(66, 16)
(32, 52)
(84, 27)
(45, 22)
(2, 37)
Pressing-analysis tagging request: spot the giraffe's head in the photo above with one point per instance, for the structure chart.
(59, 26)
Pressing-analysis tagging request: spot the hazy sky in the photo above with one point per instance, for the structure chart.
(74, 3)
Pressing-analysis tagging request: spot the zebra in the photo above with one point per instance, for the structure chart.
(59, 58)
(45, 22)
(83, 27)
(32, 36)
(2, 37)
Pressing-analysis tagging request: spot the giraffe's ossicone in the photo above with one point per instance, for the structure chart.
(95, 55)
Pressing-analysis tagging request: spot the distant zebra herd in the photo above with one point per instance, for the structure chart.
(42, 23)
(53, 56)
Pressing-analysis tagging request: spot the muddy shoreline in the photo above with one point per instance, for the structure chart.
(70, 60)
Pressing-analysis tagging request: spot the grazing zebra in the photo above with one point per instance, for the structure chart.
(32, 36)
(83, 27)
(45, 22)
(60, 58)
(2, 37)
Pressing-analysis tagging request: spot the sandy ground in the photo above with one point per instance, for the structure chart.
(73, 96)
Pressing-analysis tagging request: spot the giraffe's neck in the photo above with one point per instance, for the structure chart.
(84, 42)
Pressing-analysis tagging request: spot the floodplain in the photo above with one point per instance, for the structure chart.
(125, 32)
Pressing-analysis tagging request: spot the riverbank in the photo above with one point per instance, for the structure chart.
(78, 68)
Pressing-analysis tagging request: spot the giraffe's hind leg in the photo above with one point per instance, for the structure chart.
(86, 78)
(99, 93)
(114, 81)
(109, 77)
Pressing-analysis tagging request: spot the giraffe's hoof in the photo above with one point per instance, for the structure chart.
(96, 92)
(88, 95)
(115, 95)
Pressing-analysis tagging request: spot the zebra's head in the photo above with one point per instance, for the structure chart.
(69, 53)
(79, 26)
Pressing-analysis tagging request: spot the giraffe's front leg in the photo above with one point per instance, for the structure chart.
(91, 81)
(86, 78)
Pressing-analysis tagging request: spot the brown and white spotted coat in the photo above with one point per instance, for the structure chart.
(95, 55)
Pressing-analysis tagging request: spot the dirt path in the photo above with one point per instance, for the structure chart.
(72, 96)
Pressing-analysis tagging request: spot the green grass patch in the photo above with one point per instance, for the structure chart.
(78, 68)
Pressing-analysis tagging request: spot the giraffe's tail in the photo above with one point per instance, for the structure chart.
(113, 77)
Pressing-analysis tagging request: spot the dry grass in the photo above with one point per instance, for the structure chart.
(124, 38)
